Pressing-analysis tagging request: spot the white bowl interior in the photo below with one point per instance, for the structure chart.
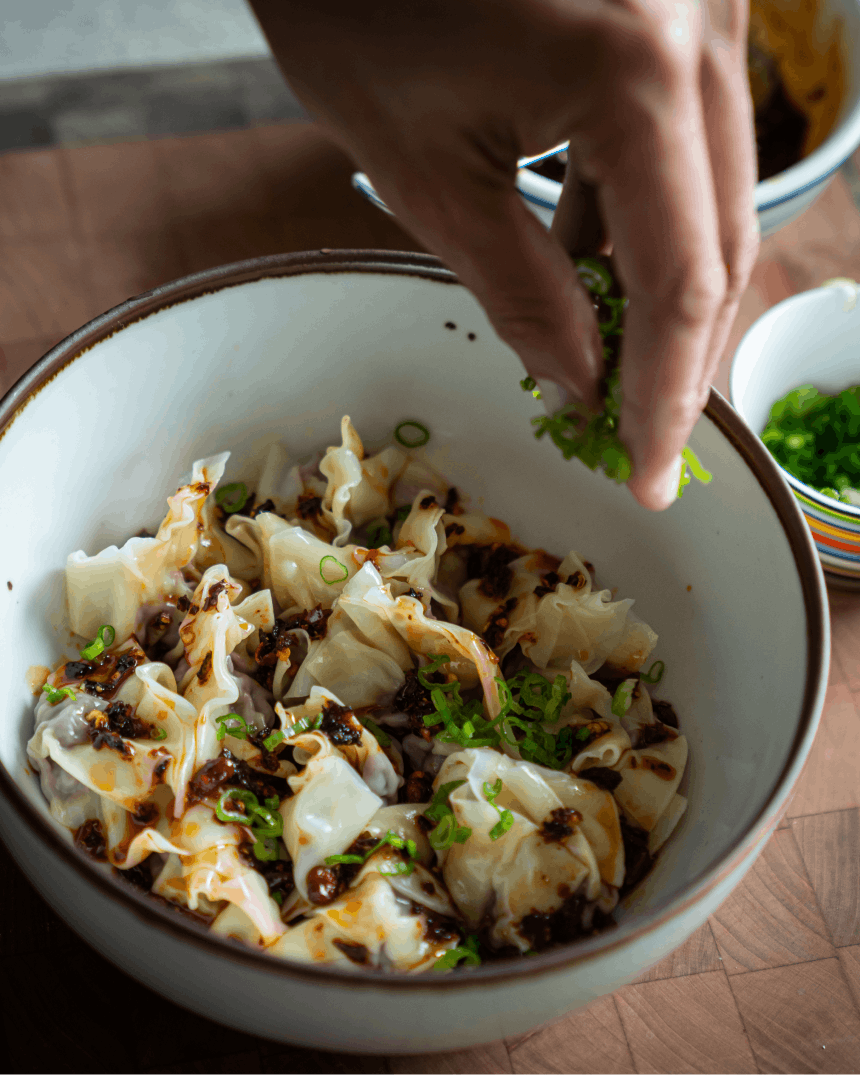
(91, 458)
(811, 338)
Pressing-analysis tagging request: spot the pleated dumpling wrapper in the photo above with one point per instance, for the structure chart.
(562, 841)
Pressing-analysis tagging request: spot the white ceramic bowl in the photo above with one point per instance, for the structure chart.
(281, 347)
(778, 200)
(811, 338)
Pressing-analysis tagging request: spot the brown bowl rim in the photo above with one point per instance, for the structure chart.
(427, 267)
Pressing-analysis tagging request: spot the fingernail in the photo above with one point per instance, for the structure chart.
(552, 395)
(669, 482)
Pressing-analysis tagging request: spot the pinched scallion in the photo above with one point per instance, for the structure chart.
(651, 676)
(273, 740)
(232, 497)
(414, 440)
(378, 534)
(158, 734)
(596, 277)
(104, 638)
(390, 839)
(238, 726)
(378, 734)
(623, 697)
(506, 818)
(529, 384)
(56, 695)
(576, 430)
(332, 570)
(465, 953)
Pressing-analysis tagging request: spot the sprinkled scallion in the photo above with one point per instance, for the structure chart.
(232, 724)
(402, 512)
(332, 570)
(104, 638)
(412, 439)
(529, 384)
(158, 734)
(429, 669)
(232, 497)
(378, 734)
(465, 953)
(390, 839)
(266, 850)
(651, 676)
(582, 734)
(506, 818)
(235, 795)
(273, 740)
(622, 700)
(55, 695)
(278, 897)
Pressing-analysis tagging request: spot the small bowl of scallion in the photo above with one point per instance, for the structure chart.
(795, 380)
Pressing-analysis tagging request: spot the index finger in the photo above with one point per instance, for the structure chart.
(665, 228)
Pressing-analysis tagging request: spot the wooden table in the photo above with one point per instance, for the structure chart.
(771, 983)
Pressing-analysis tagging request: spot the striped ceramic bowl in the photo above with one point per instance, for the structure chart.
(811, 338)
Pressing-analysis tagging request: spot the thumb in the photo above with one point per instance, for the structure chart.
(524, 279)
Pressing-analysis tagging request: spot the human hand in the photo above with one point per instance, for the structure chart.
(437, 100)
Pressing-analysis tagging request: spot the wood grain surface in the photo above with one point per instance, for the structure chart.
(770, 984)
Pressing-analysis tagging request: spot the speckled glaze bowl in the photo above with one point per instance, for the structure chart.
(778, 200)
(280, 348)
(811, 338)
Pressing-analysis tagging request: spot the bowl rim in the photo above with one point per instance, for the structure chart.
(718, 411)
(808, 297)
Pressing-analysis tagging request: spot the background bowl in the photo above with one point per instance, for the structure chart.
(811, 338)
(778, 200)
(280, 348)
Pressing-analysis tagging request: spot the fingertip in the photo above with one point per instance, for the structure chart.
(657, 491)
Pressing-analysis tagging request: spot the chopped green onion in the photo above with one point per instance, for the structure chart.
(651, 676)
(240, 731)
(55, 696)
(622, 700)
(413, 442)
(583, 734)
(529, 384)
(378, 734)
(403, 512)
(439, 806)
(271, 741)
(278, 897)
(447, 833)
(158, 734)
(232, 497)
(378, 533)
(399, 869)
(506, 818)
(337, 568)
(595, 276)
(99, 643)
(236, 795)
(429, 669)
(266, 850)
(466, 953)
(689, 458)
(273, 803)
(391, 839)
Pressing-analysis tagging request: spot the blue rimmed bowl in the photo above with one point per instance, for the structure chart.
(811, 338)
(783, 197)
